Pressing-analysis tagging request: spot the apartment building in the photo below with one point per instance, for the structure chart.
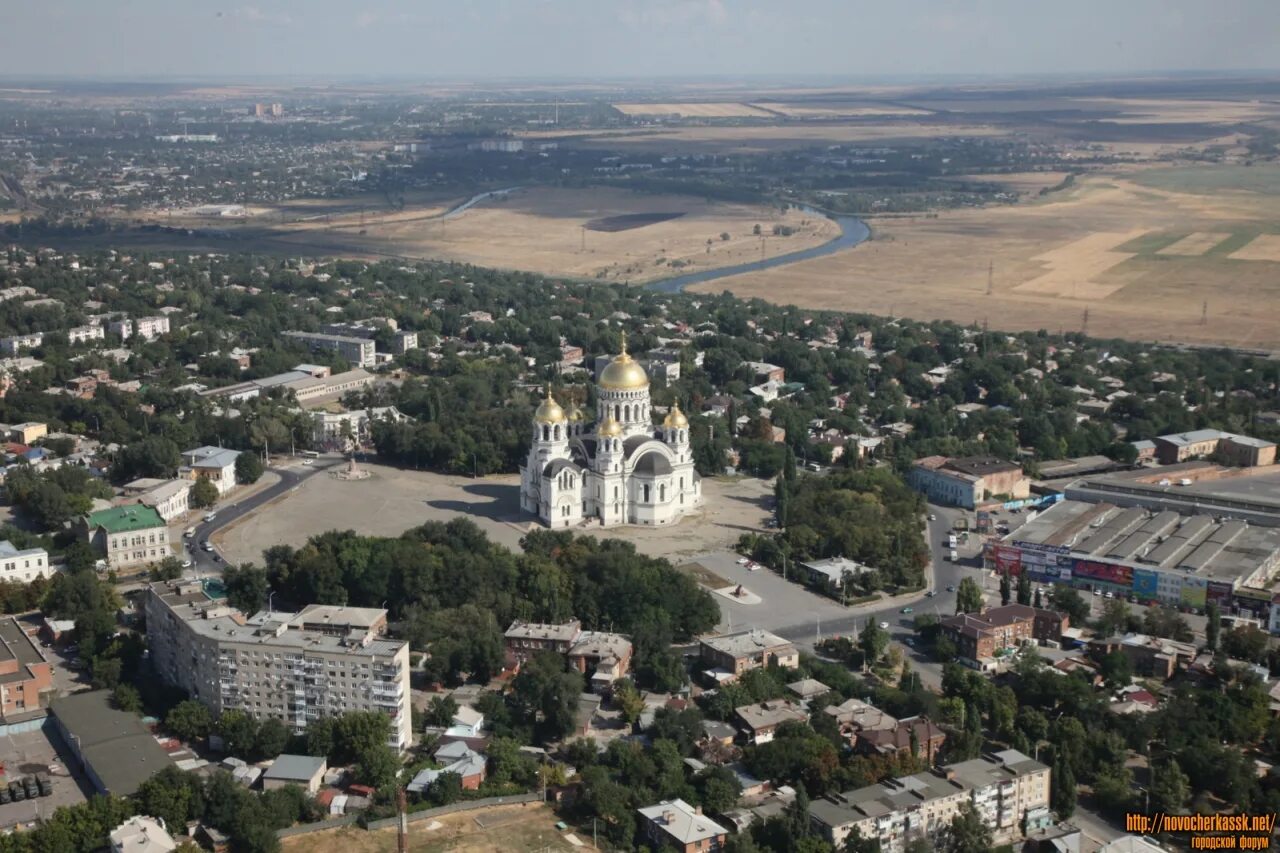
(729, 656)
(602, 656)
(980, 637)
(81, 334)
(26, 678)
(1009, 790)
(1230, 448)
(358, 351)
(23, 565)
(400, 342)
(675, 824)
(759, 722)
(15, 344)
(126, 536)
(170, 498)
(150, 328)
(294, 667)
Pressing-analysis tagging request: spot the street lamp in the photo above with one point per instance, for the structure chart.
(270, 596)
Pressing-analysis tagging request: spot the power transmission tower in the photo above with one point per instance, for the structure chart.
(1084, 323)
(402, 823)
(991, 269)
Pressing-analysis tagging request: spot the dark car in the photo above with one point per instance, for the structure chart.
(32, 789)
(4, 795)
(45, 783)
(17, 791)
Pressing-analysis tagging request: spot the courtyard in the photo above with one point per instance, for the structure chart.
(392, 500)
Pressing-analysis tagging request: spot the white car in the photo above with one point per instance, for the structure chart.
(308, 461)
(884, 626)
(753, 567)
(742, 561)
(932, 517)
(186, 564)
(211, 516)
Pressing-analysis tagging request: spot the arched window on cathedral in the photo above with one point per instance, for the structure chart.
(662, 493)
(615, 493)
(617, 412)
(556, 432)
(546, 432)
(646, 492)
(626, 411)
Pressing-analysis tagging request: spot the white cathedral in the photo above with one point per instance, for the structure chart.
(624, 471)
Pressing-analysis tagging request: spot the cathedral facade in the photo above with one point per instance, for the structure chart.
(622, 469)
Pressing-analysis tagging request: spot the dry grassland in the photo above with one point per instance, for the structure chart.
(1194, 244)
(1021, 182)
(711, 110)
(509, 829)
(839, 111)
(731, 140)
(1178, 111)
(1070, 248)
(1264, 247)
(541, 230)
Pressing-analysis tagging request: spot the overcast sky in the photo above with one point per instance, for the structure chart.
(590, 39)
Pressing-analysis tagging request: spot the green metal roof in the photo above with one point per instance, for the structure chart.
(122, 519)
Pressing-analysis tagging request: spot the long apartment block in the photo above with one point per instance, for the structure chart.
(295, 667)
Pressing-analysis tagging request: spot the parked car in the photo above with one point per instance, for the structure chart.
(32, 789)
(16, 791)
(931, 593)
(211, 516)
(742, 561)
(45, 783)
(951, 589)
(907, 610)
(884, 626)
(4, 795)
(932, 517)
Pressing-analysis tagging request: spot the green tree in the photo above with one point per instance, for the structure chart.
(969, 597)
(968, 832)
(1116, 670)
(1062, 796)
(1170, 788)
(856, 843)
(247, 587)
(1006, 589)
(189, 720)
(378, 766)
(248, 468)
(271, 738)
(873, 641)
(1024, 588)
(1212, 625)
(445, 789)
(441, 710)
(203, 493)
(126, 698)
(546, 696)
(1066, 600)
(239, 733)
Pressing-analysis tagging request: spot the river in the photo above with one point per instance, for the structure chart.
(852, 232)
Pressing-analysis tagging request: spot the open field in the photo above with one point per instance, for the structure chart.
(394, 500)
(1194, 244)
(728, 139)
(545, 230)
(1095, 247)
(839, 110)
(1264, 247)
(510, 829)
(1179, 110)
(693, 110)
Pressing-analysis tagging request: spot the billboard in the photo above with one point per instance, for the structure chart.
(1254, 601)
(1007, 559)
(1146, 584)
(1103, 572)
(1046, 549)
(1193, 592)
(1218, 591)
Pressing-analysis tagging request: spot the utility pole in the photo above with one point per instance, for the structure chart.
(1084, 323)
(991, 269)
(402, 825)
(584, 237)
(1204, 313)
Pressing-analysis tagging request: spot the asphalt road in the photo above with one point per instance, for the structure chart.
(291, 476)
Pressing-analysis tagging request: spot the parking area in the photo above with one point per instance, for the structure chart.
(772, 603)
(39, 751)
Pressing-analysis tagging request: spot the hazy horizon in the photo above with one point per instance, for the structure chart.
(635, 39)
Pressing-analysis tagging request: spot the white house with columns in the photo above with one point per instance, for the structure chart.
(622, 470)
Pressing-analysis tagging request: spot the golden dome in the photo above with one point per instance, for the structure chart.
(675, 418)
(609, 428)
(549, 411)
(576, 415)
(623, 373)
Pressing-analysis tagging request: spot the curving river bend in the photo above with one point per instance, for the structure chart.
(852, 232)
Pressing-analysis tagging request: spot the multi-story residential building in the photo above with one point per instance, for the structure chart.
(26, 678)
(675, 824)
(979, 637)
(215, 464)
(358, 351)
(26, 433)
(400, 341)
(14, 344)
(1009, 790)
(1230, 448)
(80, 334)
(294, 667)
(23, 565)
(121, 328)
(760, 721)
(126, 536)
(729, 656)
(141, 834)
(605, 657)
(150, 328)
(331, 426)
(968, 482)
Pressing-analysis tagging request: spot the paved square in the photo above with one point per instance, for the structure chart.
(26, 753)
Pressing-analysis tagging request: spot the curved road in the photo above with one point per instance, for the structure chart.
(290, 477)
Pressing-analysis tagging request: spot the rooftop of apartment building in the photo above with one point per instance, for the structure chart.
(17, 644)
(563, 633)
(1225, 549)
(746, 643)
(210, 616)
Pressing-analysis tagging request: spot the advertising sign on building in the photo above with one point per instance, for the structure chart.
(1007, 559)
(1104, 572)
(1146, 584)
(1256, 602)
(1194, 592)
(1218, 591)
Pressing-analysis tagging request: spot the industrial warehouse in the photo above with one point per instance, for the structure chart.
(1179, 560)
